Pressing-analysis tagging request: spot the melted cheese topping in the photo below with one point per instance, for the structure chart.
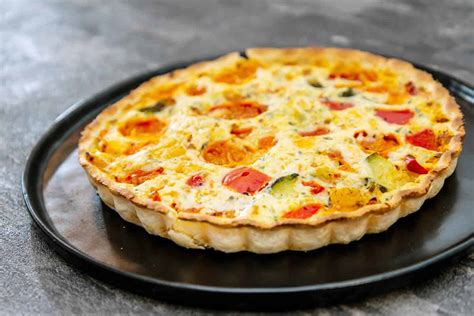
(339, 129)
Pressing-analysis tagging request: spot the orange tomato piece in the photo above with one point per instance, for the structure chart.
(225, 153)
(376, 89)
(315, 132)
(241, 132)
(240, 73)
(195, 90)
(163, 91)
(369, 75)
(337, 157)
(396, 98)
(266, 142)
(238, 110)
(142, 126)
(382, 144)
(139, 176)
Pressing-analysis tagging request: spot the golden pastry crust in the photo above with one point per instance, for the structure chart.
(201, 235)
(252, 231)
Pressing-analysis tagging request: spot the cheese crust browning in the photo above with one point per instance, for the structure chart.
(285, 149)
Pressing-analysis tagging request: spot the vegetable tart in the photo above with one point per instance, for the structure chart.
(279, 149)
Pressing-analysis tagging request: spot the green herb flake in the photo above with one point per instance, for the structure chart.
(315, 83)
(155, 108)
(347, 93)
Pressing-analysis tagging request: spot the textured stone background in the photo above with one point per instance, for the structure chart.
(54, 53)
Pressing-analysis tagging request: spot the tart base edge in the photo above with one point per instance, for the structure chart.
(202, 235)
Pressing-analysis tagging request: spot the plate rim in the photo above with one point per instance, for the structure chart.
(35, 208)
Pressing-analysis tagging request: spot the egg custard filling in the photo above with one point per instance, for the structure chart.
(283, 149)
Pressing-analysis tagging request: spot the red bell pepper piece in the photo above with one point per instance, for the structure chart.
(246, 180)
(395, 116)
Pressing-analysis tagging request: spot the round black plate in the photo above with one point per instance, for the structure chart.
(87, 233)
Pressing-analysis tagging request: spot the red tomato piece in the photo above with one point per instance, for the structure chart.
(315, 187)
(426, 139)
(195, 181)
(414, 166)
(316, 132)
(411, 88)
(338, 106)
(395, 117)
(246, 180)
(303, 212)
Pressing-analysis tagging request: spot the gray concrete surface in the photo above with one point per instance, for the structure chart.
(53, 53)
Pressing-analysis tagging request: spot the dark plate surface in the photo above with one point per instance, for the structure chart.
(86, 232)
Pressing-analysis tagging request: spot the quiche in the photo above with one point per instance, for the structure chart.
(275, 149)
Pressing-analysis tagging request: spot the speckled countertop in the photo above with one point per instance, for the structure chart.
(53, 53)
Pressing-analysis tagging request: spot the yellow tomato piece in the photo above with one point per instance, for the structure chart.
(347, 199)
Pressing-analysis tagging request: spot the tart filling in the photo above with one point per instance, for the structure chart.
(282, 140)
